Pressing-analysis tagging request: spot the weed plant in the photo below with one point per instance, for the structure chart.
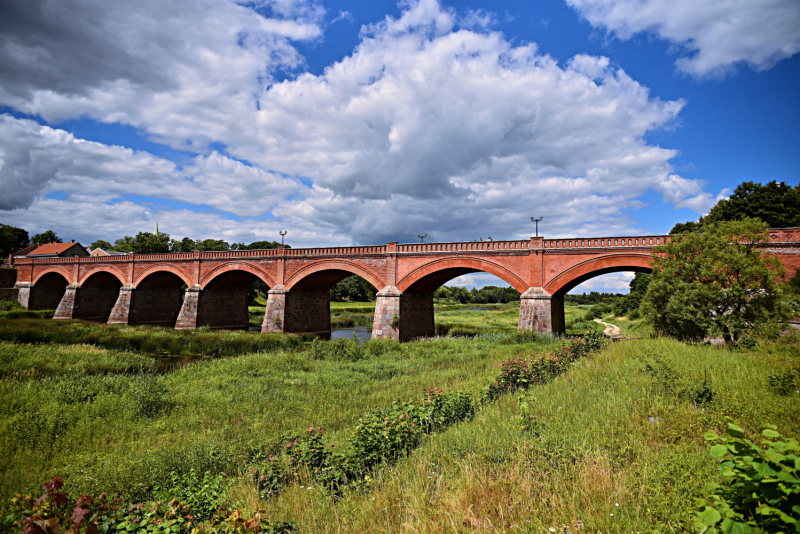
(608, 446)
(145, 339)
(124, 426)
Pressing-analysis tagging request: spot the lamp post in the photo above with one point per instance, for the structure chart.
(283, 233)
(422, 237)
(537, 223)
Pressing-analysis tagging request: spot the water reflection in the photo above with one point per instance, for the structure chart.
(363, 333)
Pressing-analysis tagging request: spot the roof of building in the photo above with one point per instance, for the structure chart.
(52, 249)
(103, 252)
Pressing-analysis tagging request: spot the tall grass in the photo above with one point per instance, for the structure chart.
(123, 432)
(611, 447)
(145, 339)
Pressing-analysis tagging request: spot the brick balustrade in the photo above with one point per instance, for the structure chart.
(187, 290)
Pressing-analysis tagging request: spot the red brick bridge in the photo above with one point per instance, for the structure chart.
(147, 289)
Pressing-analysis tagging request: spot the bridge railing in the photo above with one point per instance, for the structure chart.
(462, 246)
(604, 242)
(412, 248)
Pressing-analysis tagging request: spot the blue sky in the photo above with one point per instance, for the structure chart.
(366, 121)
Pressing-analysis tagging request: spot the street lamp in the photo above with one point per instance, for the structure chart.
(422, 237)
(537, 223)
(283, 233)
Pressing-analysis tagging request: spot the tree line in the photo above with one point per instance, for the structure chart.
(13, 239)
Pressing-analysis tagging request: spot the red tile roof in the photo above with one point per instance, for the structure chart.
(52, 248)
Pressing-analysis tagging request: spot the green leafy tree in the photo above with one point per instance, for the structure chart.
(48, 236)
(124, 244)
(258, 245)
(211, 245)
(186, 244)
(686, 228)
(353, 289)
(776, 204)
(629, 304)
(715, 282)
(105, 245)
(147, 243)
(12, 239)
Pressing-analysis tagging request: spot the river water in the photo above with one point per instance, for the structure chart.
(362, 332)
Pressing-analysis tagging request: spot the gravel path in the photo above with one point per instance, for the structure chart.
(611, 330)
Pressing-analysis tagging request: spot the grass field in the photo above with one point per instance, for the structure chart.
(615, 445)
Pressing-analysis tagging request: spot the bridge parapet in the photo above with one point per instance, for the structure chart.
(607, 242)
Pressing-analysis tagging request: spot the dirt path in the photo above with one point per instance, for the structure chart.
(611, 330)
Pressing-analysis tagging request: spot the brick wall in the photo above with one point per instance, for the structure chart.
(416, 316)
(155, 306)
(223, 309)
(307, 312)
(94, 303)
(8, 277)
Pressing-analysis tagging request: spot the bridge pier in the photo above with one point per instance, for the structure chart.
(402, 316)
(297, 312)
(159, 307)
(218, 308)
(542, 312)
(92, 301)
(45, 295)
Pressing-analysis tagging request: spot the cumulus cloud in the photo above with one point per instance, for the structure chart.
(711, 36)
(174, 67)
(37, 159)
(428, 126)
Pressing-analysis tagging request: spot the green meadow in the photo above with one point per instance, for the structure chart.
(613, 445)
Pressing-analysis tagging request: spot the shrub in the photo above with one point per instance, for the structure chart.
(760, 488)
(521, 373)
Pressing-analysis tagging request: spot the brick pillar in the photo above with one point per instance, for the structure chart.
(541, 312)
(66, 307)
(414, 315)
(187, 318)
(276, 307)
(120, 314)
(23, 293)
(387, 306)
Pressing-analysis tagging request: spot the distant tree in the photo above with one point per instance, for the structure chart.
(629, 304)
(685, 228)
(124, 244)
(12, 239)
(104, 245)
(186, 244)
(776, 204)
(353, 289)
(48, 236)
(715, 282)
(258, 245)
(211, 245)
(144, 243)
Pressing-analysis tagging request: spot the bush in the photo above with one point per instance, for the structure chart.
(521, 373)
(760, 488)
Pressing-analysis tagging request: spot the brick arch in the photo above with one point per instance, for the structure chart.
(336, 265)
(610, 263)
(58, 270)
(103, 269)
(177, 271)
(468, 265)
(237, 266)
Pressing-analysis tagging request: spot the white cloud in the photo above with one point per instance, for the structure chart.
(711, 36)
(607, 283)
(37, 159)
(174, 68)
(426, 127)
